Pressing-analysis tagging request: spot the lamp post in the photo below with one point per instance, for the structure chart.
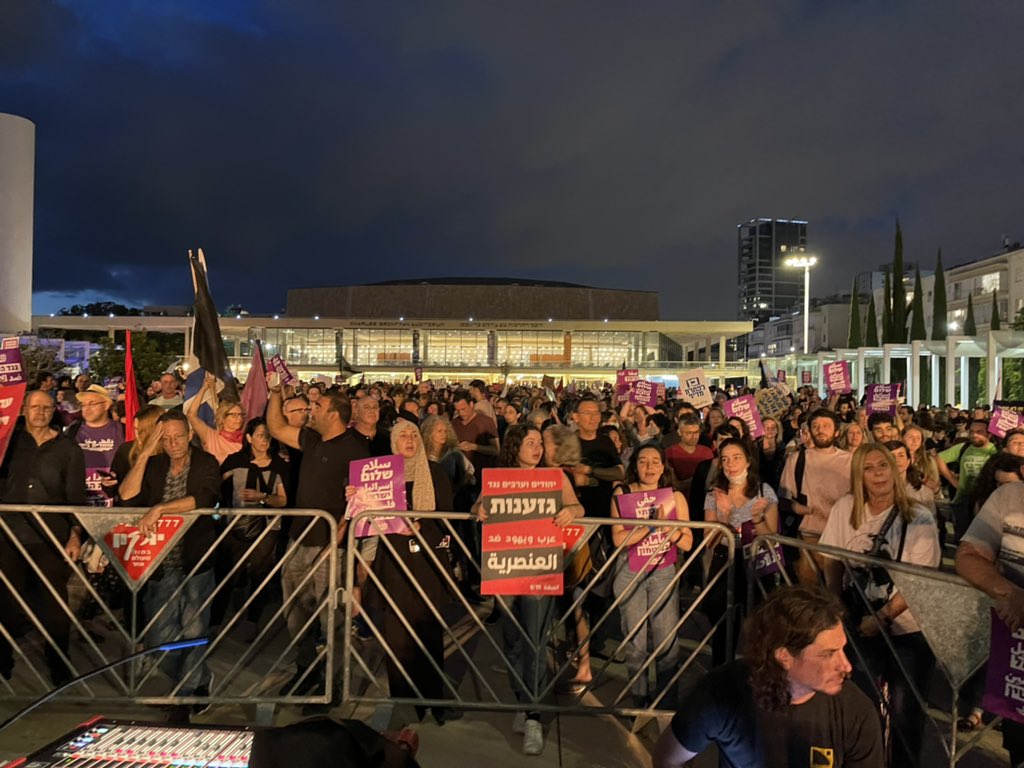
(805, 262)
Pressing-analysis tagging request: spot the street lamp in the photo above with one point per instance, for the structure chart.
(804, 262)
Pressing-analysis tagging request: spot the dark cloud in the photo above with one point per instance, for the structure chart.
(605, 143)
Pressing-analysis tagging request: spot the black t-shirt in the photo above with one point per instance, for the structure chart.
(323, 477)
(598, 453)
(378, 445)
(841, 731)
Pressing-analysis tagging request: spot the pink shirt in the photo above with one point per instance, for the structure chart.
(215, 443)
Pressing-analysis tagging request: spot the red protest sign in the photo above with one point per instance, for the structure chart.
(12, 389)
(138, 555)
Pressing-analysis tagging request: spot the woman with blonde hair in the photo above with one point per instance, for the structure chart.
(851, 437)
(227, 438)
(879, 518)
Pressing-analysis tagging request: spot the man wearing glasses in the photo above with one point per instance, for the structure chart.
(42, 466)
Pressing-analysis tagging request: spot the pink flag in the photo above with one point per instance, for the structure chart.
(131, 389)
(254, 396)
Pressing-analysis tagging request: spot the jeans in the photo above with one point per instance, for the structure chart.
(178, 618)
(650, 590)
(308, 600)
(534, 614)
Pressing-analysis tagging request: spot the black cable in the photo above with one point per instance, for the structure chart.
(178, 645)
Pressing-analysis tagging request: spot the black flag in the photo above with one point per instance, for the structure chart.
(207, 342)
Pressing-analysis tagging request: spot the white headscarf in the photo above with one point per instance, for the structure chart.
(417, 469)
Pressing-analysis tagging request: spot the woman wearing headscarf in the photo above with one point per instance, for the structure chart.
(407, 563)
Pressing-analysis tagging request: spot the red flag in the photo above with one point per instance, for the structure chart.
(255, 395)
(131, 389)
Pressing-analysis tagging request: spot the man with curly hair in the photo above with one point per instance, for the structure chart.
(786, 703)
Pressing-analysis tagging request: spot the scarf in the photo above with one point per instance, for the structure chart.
(417, 469)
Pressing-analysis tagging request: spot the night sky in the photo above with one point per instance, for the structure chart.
(614, 144)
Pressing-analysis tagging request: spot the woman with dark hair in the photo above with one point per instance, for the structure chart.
(740, 500)
(645, 580)
(879, 516)
(523, 448)
(771, 453)
(916, 489)
(253, 477)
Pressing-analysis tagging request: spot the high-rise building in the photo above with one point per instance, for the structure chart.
(766, 287)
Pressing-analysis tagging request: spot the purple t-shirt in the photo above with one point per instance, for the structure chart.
(99, 444)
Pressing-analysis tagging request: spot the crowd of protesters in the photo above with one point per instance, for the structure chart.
(823, 471)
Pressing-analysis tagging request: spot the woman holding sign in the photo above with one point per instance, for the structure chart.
(740, 500)
(406, 562)
(523, 448)
(646, 581)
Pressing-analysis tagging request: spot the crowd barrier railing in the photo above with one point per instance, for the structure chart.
(953, 616)
(266, 602)
(435, 642)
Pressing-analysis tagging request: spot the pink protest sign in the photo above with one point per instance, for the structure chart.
(655, 551)
(1003, 421)
(644, 392)
(280, 367)
(1004, 681)
(745, 408)
(805, 377)
(780, 375)
(624, 381)
(12, 389)
(380, 485)
(837, 377)
(882, 398)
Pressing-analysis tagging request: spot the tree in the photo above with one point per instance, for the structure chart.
(899, 293)
(38, 357)
(887, 333)
(917, 329)
(871, 325)
(939, 320)
(970, 328)
(148, 353)
(100, 308)
(855, 338)
(993, 324)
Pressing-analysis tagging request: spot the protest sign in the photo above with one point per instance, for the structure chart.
(625, 378)
(837, 377)
(655, 551)
(522, 547)
(772, 402)
(882, 398)
(644, 392)
(694, 388)
(1003, 421)
(12, 389)
(745, 408)
(780, 375)
(277, 365)
(805, 377)
(1004, 680)
(380, 485)
(134, 556)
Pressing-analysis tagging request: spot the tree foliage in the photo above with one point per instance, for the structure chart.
(871, 325)
(899, 294)
(37, 357)
(101, 308)
(993, 323)
(887, 332)
(970, 327)
(855, 338)
(917, 326)
(149, 353)
(939, 320)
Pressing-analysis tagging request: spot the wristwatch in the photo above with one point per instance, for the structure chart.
(265, 500)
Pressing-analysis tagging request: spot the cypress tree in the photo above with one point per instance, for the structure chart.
(993, 324)
(871, 324)
(917, 329)
(855, 338)
(939, 320)
(970, 329)
(887, 334)
(899, 293)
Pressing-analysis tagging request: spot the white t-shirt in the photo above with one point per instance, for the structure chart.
(921, 546)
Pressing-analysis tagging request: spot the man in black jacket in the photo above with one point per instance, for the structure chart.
(42, 466)
(180, 479)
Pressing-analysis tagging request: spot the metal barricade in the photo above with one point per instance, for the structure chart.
(952, 614)
(435, 643)
(269, 600)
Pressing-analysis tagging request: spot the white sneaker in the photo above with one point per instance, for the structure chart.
(519, 723)
(533, 738)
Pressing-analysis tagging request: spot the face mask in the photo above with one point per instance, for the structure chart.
(740, 479)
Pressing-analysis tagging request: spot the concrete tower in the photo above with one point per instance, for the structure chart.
(17, 190)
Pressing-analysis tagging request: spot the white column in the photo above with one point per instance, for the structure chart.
(860, 378)
(933, 362)
(807, 309)
(950, 372)
(886, 370)
(965, 381)
(993, 369)
(17, 192)
(914, 393)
